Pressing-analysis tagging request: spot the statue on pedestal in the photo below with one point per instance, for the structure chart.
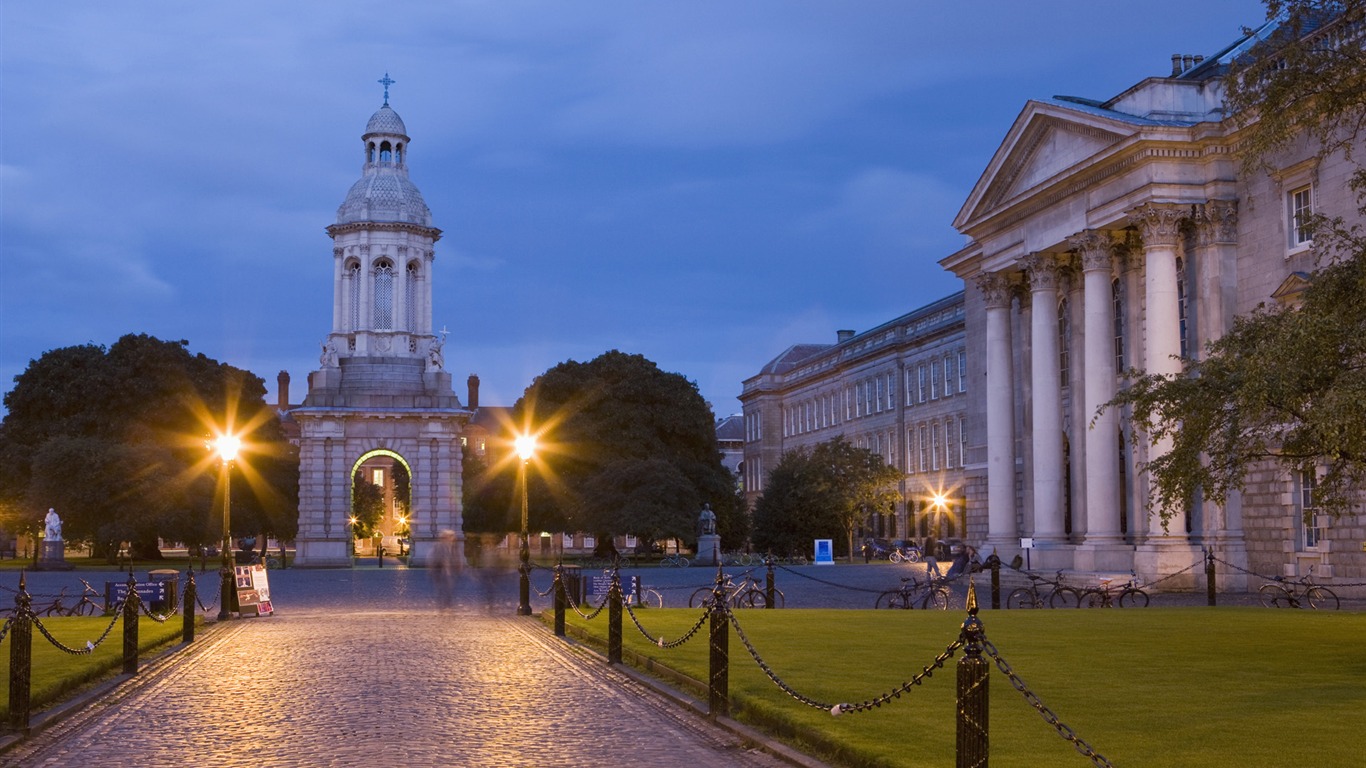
(52, 526)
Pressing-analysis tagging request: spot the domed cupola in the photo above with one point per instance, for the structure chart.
(383, 193)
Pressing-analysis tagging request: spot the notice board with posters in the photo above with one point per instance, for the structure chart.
(253, 591)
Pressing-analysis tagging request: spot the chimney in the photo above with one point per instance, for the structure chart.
(1176, 64)
(843, 336)
(1187, 62)
(282, 389)
(474, 392)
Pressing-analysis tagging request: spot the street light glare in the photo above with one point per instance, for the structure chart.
(526, 446)
(940, 500)
(227, 446)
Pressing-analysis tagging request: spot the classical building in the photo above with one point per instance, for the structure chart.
(900, 390)
(1115, 233)
(381, 396)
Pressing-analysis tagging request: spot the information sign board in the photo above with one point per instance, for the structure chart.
(253, 591)
(825, 552)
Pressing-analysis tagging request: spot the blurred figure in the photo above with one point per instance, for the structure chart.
(448, 562)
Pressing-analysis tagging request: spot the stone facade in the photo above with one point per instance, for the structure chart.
(1122, 233)
(898, 390)
(381, 391)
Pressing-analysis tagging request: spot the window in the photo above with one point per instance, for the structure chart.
(934, 380)
(410, 298)
(950, 373)
(920, 389)
(949, 448)
(880, 394)
(1300, 211)
(962, 370)
(1310, 523)
(355, 296)
(384, 296)
(924, 450)
(378, 477)
(910, 450)
(962, 441)
(934, 446)
(1117, 309)
(910, 393)
(891, 391)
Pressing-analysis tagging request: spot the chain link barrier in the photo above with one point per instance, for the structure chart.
(4, 631)
(842, 708)
(1242, 570)
(89, 646)
(659, 641)
(1033, 700)
(574, 603)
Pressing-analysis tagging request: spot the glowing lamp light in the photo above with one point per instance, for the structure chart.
(227, 446)
(526, 446)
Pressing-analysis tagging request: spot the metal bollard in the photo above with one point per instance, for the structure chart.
(187, 613)
(379, 555)
(973, 689)
(559, 601)
(994, 563)
(20, 658)
(718, 686)
(614, 619)
(1209, 576)
(768, 584)
(130, 627)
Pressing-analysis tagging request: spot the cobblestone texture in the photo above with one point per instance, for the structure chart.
(355, 683)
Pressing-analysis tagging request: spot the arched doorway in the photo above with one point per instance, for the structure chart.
(381, 504)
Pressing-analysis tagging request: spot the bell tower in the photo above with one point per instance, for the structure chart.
(381, 391)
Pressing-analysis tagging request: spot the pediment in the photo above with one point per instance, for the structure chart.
(1043, 144)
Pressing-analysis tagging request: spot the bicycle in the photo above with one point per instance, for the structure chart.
(1285, 593)
(748, 593)
(906, 555)
(84, 607)
(1104, 595)
(931, 594)
(1032, 596)
(675, 560)
(649, 597)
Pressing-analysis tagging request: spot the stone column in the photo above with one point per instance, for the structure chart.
(1001, 528)
(1046, 398)
(1098, 363)
(401, 279)
(339, 292)
(367, 290)
(1168, 550)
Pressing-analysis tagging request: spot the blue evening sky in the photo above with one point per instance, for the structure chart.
(703, 182)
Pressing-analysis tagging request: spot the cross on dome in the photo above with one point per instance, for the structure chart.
(386, 82)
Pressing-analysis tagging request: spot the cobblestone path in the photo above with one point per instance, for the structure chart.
(413, 687)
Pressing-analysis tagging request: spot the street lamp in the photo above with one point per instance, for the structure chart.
(526, 448)
(227, 447)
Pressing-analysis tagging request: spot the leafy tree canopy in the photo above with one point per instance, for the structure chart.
(624, 448)
(114, 439)
(817, 492)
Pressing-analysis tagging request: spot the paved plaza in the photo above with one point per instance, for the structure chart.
(360, 668)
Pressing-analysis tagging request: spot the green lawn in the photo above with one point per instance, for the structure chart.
(1245, 687)
(57, 673)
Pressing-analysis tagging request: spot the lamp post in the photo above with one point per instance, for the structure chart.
(526, 448)
(227, 447)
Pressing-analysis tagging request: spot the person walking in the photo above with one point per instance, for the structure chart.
(448, 562)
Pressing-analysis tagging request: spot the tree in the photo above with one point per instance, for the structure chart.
(626, 448)
(367, 506)
(115, 440)
(1286, 383)
(814, 492)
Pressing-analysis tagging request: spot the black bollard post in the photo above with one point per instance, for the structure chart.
(768, 584)
(379, 555)
(559, 601)
(1209, 576)
(187, 613)
(973, 689)
(20, 658)
(614, 619)
(994, 563)
(718, 685)
(130, 626)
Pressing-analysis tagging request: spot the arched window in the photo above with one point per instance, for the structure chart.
(370, 152)
(410, 297)
(353, 274)
(398, 152)
(384, 295)
(385, 152)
